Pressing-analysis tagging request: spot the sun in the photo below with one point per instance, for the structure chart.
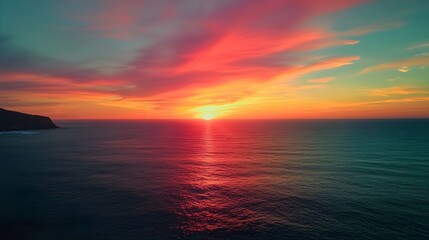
(209, 112)
(207, 116)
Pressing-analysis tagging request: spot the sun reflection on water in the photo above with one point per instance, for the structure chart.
(215, 188)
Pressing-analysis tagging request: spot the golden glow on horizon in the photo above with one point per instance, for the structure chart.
(209, 112)
(208, 116)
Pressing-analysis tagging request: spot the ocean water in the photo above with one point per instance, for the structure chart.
(248, 179)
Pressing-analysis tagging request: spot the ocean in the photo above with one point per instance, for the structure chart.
(220, 179)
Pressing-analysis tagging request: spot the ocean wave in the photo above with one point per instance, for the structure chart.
(25, 132)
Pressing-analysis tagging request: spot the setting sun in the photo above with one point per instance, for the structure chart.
(208, 116)
(210, 112)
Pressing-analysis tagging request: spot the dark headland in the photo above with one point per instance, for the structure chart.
(16, 121)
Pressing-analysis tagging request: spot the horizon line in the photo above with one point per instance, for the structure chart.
(241, 119)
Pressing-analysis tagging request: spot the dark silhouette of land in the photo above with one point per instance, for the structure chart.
(16, 121)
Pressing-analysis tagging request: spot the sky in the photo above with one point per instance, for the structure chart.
(238, 59)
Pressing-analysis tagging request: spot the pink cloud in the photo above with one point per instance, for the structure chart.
(232, 41)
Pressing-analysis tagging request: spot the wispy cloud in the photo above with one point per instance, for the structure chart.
(402, 64)
(397, 90)
(376, 27)
(423, 54)
(419, 46)
(321, 80)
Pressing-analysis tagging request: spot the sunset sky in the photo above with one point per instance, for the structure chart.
(215, 59)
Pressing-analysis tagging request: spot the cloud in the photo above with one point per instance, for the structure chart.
(423, 54)
(404, 69)
(402, 65)
(321, 80)
(419, 46)
(15, 61)
(225, 42)
(376, 27)
(397, 90)
(405, 107)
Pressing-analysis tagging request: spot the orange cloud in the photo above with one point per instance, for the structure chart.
(399, 90)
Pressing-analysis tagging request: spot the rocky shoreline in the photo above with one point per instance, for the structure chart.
(16, 121)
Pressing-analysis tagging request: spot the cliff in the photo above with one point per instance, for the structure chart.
(15, 121)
